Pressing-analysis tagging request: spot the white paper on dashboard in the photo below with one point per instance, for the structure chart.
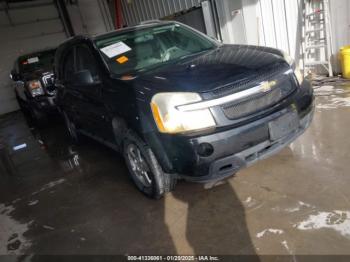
(115, 49)
(33, 60)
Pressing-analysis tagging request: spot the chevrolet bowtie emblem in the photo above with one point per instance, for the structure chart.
(267, 86)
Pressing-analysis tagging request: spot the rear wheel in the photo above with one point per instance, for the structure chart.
(144, 168)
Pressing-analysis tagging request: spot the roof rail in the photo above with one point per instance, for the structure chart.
(155, 21)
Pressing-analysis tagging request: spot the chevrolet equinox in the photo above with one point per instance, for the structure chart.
(178, 104)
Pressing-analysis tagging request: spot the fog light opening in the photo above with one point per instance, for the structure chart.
(205, 149)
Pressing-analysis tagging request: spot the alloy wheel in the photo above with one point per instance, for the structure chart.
(139, 165)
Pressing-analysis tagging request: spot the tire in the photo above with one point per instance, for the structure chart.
(147, 174)
(71, 129)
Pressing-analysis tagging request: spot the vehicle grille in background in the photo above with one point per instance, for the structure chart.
(49, 85)
(259, 102)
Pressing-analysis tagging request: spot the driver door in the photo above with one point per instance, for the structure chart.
(91, 108)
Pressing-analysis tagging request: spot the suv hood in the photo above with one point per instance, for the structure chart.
(211, 70)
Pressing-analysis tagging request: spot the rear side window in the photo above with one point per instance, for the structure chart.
(86, 61)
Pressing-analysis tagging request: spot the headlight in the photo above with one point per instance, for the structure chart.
(171, 120)
(35, 88)
(298, 74)
(288, 59)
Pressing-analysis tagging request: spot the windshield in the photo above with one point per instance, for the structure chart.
(144, 49)
(32, 62)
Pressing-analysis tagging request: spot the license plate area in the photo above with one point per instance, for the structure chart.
(283, 126)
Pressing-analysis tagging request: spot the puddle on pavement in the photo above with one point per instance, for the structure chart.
(12, 240)
(337, 220)
(332, 94)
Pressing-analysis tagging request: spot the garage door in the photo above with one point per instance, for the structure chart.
(25, 26)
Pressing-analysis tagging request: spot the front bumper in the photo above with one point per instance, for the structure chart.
(233, 147)
(44, 104)
(227, 166)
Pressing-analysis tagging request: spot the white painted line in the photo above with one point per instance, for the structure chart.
(19, 147)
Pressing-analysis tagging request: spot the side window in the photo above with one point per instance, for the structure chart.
(68, 66)
(86, 61)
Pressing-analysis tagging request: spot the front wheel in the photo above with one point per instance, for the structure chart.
(144, 168)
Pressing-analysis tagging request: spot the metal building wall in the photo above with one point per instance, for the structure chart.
(281, 26)
(90, 16)
(279, 23)
(136, 11)
(340, 22)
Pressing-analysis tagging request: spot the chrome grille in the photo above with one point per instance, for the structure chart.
(260, 101)
(252, 79)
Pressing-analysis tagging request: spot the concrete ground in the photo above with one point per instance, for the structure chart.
(57, 198)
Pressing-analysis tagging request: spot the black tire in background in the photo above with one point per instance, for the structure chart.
(151, 180)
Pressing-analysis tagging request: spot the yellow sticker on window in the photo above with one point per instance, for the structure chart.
(123, 59)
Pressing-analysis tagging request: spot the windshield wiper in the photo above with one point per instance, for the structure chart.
(194, 54)
(198, 53)
(174, 61)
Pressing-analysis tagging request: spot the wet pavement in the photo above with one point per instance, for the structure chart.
(58, 198)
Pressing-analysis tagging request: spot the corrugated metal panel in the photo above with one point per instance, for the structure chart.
(281, 25)
(340, 21)
(294, 26)
(136, 11)
(268, 23)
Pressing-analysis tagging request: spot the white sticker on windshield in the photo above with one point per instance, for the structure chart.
(115, 49)
(33, 60)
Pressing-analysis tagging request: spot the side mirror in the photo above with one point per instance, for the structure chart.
(14, 76)
(82, 78)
